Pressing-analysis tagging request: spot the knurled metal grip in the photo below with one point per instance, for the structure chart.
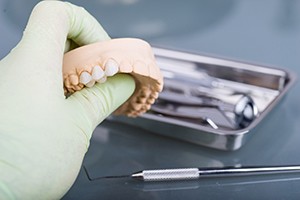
(170, 174)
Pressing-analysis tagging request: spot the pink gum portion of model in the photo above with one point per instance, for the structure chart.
(93, 63)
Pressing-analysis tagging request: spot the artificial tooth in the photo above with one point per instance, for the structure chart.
(67, 83)
(157, 87)
(111, 68)
(146, 91)
(137, 106)
(85, 78)
(143, 111)
(90, 84)
(146, 107)
(150, 100)
(97, 73)
(142, 100)
(154, 95)
(71, 90)
(102, 80)
(78, 87)
(74, 79)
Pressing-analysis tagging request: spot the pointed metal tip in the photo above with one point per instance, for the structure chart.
(138, 175)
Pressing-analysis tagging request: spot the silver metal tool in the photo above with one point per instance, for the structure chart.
(211, 116)
(196, 173)
(242, 112)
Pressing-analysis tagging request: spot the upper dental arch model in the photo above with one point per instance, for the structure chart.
(93, 63)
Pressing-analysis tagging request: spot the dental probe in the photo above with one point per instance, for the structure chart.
(196, 173)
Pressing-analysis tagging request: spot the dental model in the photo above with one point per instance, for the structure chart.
(93, 63)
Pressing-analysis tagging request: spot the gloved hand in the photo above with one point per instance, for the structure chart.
(43, 135)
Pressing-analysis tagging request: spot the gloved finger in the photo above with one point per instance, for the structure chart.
(75, 23)
(93, 105)
(42, 46)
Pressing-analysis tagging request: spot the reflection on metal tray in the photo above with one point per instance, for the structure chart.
(210, 101)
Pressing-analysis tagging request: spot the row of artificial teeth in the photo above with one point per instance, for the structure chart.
(98, 74)
(141, 102)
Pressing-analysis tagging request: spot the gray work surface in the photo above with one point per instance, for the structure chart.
(264, 32)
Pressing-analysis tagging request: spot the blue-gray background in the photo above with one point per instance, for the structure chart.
(257, 31)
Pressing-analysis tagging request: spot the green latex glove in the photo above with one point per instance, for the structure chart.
(43, 136)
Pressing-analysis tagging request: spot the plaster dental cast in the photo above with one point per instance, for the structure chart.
(94, 63)
(44, 135)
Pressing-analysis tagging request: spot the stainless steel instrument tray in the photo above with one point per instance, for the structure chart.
(192, 79)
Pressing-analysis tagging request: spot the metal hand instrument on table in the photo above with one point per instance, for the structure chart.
(196, 173)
